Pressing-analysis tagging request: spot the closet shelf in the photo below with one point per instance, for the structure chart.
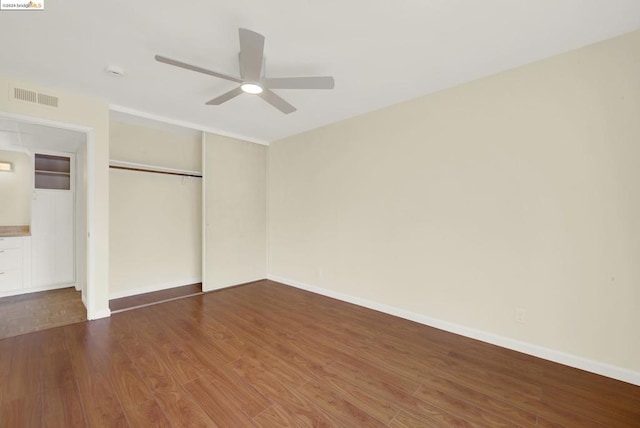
(132, 166)
(42, 171)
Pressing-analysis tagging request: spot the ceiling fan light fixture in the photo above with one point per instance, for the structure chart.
(252, 79)
(251, 88)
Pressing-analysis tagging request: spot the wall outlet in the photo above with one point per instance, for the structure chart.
(520, 315)
(320, 272)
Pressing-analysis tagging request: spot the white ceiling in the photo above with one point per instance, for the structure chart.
(380, 52)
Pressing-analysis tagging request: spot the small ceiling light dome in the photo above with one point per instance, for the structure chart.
(251, 88)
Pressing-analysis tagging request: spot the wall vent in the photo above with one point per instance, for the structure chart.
(30, 96)
(48, 100)
(25, 95)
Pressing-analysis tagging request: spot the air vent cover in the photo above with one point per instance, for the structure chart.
(48, 100)
(30, 96)
(25, 95)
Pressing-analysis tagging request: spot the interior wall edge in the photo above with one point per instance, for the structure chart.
(96, 315)
(553, 355)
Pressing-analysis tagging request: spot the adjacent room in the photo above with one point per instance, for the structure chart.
(291, 213)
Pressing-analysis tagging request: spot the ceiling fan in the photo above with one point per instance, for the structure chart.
(251, 79)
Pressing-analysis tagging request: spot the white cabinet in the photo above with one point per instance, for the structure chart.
(52, 231)
(15, 265)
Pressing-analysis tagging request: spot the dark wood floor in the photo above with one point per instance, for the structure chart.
(39, 311)
(268, 355)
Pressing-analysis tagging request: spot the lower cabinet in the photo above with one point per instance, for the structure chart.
(15, 265)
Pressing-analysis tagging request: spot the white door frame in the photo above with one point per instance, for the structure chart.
(88, 295)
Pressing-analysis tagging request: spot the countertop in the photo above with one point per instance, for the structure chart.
(12, 231)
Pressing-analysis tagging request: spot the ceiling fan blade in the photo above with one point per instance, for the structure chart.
(273, 99)
(251, 53)
(225, 97)
(184, 65)
(315, 82)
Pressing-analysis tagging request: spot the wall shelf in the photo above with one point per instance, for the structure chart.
(40, 171)
(52, 172)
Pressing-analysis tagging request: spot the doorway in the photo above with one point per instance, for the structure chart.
(52, 288)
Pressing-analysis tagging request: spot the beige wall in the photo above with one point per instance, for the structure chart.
(92, 115)
(146, 145)
(15, 189)
(235, 211)
(155, 219)
(515, 191)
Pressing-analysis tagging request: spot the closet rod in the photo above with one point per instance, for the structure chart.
(130, 166)
(154, 171)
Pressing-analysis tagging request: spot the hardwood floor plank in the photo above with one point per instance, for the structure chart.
(201, 345)
(331, 401)
(63, 408)
(514, 367)
(236, 390)
(268, 384)
(297, 412)
(360, 388)
(409, 366)
(53, 341)
(269, 361)
(585, 384)
(432, 419)
(24, 377)
(375, 382)
(86, 355)
(509, 412)
(178, 406)
(227, 344)
(23, 412)
(127, 382)
(372, 403)
(464, 409)
(57, 371)
(559, 415)
(595, 409)
(251, 330)
(155, 374)
(146, 414)
(181, 409)
(6, 354)
(182, 368)
(100, 402)
(222, 410)
(544, 423)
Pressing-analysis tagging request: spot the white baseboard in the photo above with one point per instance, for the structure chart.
(592, 366)
(154, 287)
(221, 286)
(96, 315)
